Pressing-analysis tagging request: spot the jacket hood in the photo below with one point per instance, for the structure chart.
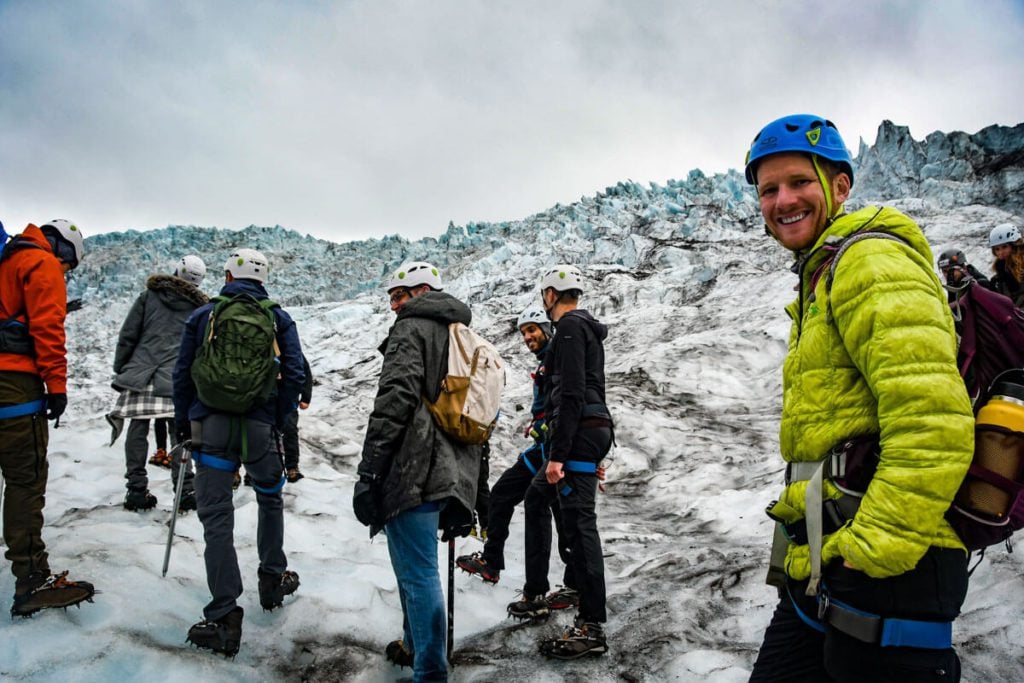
(32, 234)
(175, 292)
(250, 287)
(599, 328)
(439, 306)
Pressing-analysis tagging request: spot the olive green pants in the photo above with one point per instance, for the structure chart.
(23, 442)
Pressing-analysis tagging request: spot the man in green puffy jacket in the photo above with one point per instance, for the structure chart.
(868, 592)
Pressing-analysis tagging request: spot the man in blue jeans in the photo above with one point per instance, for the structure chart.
(413, 479)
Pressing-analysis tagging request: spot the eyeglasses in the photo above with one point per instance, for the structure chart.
(399, 296)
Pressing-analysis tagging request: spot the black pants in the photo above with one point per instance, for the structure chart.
(576, 496)
(220, 436)
(509, 491)
(161, 427)
(933, 591)
(290, 440)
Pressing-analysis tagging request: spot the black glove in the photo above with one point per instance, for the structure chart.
(366, 501)
(74, 305)
(450, 533)
(56, 405)
(182, 430)
(455, 522)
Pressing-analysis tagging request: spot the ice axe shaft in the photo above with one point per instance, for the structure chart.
(451, 599)
(184, 448)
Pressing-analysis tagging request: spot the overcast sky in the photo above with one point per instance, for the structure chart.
(358, 119)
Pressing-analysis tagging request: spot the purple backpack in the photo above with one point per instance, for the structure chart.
(989, 506)
(991, 332)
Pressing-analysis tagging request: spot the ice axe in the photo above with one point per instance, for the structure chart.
(451, 599)
(185, 449)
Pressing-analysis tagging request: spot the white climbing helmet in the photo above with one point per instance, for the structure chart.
(414, 274)
(562, 278)
(191, 269)
(70, 233)
(1007, 233)
(537, 316)
(248, 264)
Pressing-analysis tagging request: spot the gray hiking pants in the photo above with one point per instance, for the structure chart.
(136, 452)
(217, 459)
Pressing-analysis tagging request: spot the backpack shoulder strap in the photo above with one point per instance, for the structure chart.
(841, 246)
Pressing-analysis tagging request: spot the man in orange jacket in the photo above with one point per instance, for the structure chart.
(33, 304)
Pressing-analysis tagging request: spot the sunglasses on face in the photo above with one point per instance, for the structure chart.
(399, 296)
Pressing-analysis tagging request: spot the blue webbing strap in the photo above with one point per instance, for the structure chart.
(271, 491)
(23, 409)
(207, 460)
(813, 623)
(525, 455)
(935, 635)
(930, 635)
(579, 466)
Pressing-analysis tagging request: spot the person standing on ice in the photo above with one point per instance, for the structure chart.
(222, 441)
(510, 490)
(867, 593)
(958, 273)
(147, 349)
(413, 478)
(33, 389)
(579, 436)
(290, 429)
(1008, 249)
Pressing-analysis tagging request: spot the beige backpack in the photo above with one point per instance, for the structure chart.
(471, 391)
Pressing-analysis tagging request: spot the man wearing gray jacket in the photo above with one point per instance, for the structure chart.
(413, 479)
(147, 349)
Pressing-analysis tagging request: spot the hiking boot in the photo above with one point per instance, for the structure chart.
(187, 502)
(223, 635)
(529, 607)
(476, 564)
(138, 500)
(161, 458)
(562, 597)
(576, 642)
(398, 654)
(237, 481)
(273, 588)
(45, 591)
(294, 475)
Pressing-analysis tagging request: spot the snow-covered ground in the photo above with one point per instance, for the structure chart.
(693, 293)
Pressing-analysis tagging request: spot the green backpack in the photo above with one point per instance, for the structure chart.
(236, 368)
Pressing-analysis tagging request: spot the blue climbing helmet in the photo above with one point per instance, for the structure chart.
(799, 133)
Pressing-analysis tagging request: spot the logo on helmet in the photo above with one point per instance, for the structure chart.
(813, 135)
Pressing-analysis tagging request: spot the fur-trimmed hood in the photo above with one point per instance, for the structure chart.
(175, 292)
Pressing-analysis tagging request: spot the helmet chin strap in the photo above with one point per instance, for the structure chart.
(830, 211)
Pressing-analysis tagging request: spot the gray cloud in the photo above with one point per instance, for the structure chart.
(356, 119)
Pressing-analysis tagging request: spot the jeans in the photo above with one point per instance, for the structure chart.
(412, 544)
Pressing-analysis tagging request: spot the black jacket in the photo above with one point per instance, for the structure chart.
(147, 346)
(1006, 284)
(404, 450)
(574, 385)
